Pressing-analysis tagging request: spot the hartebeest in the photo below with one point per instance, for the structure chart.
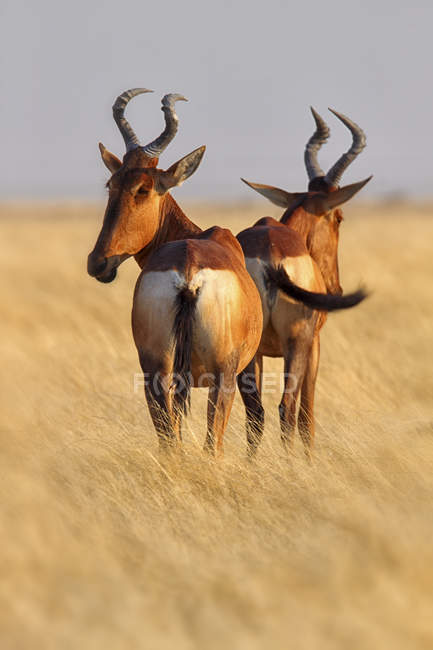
(300, 248)
(196, 316)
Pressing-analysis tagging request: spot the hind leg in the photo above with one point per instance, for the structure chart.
(295, 362)
(159, 401)
(220, 401)
(306, 414)
(250, 388)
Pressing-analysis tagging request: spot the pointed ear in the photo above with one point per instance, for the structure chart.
(274, 194)
(333, 199)
(180, 171)
(110, 160)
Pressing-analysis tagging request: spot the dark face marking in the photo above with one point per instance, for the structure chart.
(131, 217)
(106, 278)
(104, 269)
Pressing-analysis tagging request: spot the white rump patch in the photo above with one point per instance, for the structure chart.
(218, 328)
(193, 285)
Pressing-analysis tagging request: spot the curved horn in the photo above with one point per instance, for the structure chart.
(334, 175)
(131, 140)
(155, 148)
(318, 138)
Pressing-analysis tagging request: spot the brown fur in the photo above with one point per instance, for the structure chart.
(305, 241)
(320, 231)
(196, 315)
(271, 240)
(215, 248)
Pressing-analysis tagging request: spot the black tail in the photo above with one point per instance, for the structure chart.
(278, 277)
(182, 329)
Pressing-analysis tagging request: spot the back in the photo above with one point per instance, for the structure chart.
(215, 248)
(271, 241)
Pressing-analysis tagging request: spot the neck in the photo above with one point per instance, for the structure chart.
(304, 224)
(299, 220)
(173, 225)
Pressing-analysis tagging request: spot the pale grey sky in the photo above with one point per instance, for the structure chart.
(250, 70)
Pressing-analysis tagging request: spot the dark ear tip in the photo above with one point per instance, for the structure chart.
(101, 147)
(200, 151)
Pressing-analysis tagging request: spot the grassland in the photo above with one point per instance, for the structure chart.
(103, 547)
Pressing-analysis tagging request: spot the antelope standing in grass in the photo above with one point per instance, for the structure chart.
(196, 316)
(301, 248)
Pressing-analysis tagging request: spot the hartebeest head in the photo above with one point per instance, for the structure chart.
(137, 189)
(316, 213)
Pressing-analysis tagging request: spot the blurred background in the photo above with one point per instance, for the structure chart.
(104, 547)
(250, 70)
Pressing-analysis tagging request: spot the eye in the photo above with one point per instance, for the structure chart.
(142, 190)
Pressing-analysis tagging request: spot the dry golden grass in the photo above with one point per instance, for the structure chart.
(102, 547)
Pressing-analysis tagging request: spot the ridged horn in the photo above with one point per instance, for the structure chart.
(318, 138)
(131, 140)
(334, 175)
(155, 148)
